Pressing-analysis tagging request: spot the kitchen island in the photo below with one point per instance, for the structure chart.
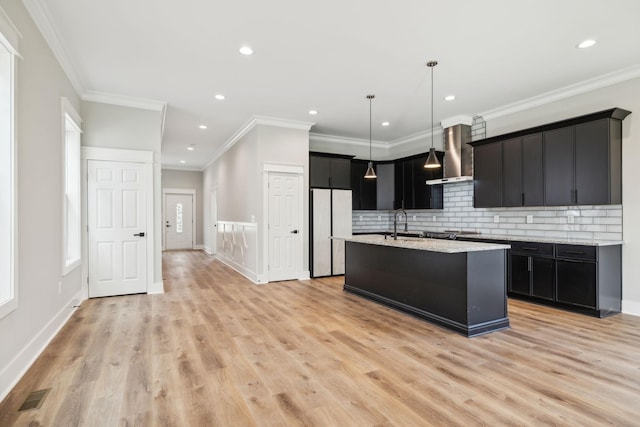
(458, 285)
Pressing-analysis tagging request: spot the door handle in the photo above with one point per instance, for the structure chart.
(294, 232)
(168, 225)
(139, 234)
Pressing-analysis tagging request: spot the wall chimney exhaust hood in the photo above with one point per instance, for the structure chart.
(458, 155)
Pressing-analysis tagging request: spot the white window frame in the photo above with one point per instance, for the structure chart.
(9, 37)
(71, 202)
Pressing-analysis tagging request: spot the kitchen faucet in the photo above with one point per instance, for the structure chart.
(395, 222)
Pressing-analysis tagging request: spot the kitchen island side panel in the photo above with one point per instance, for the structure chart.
(487, 286)
(432, 285)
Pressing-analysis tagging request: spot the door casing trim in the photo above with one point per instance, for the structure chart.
(118, 155)
(298, 170)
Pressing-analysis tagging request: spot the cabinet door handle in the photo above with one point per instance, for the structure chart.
(528, 248)
(529, 264)
(523, 199)
(575, 252)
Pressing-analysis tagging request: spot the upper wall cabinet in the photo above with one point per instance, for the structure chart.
(571, 162)
(410, 183)
(364, 190)
(329, 171)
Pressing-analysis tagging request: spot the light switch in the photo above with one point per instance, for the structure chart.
(529, 219)
(496, 218)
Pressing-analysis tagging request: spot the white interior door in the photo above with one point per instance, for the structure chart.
(285, 223)
(213, 239)
(116, 214)
(178, 216)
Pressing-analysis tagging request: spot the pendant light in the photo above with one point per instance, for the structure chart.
(370, 174)
(432, 160)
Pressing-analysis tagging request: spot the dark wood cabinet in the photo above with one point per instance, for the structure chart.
(559, 167)
(576, 283)
(572, 162)
(512, 194)
(385, 186)
(411, 189)
(532, 269)
(582, 278)
(487, 179)
(532, 170)
(598, 163)
(363, 189)
(329, 171)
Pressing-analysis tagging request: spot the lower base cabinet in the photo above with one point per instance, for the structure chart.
(587, 279)
(576, 283)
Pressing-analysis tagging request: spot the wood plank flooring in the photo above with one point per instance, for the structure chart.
(216, 350)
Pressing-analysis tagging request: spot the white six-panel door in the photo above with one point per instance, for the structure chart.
(285, 238)
(116, 215)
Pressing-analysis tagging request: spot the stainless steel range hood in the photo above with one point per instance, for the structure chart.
(458, 155)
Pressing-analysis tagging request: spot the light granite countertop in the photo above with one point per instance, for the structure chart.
(433, 245)
(558, 240)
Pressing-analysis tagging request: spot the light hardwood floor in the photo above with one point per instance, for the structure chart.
(216, 350)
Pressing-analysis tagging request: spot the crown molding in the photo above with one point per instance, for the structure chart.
(584, 86)
(281, 123)
(252, 123)
(333, 139)
(124, 100)
(41, 16)
(456, 120)
(437, 132)
(181, 168)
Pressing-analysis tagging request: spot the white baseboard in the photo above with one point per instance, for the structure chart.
(262, 278)
(208, 250)
(156, 288)
(12, 373)
(251, 275)
(631, 307)
(306, 275)
(198, 247)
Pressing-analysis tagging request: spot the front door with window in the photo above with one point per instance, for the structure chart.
(117, 221)
(178, 217)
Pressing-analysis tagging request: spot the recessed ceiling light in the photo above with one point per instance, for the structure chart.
(385, 123)
(585, 44)
(246, 50)
(313, 112)
(202, 126)
(191, 147)
(449, 97)
(183, 161)
(220, 97)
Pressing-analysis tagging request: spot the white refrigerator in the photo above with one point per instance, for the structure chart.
(330, 217)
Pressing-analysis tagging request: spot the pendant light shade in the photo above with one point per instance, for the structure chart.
(371, 173)
(432, 160)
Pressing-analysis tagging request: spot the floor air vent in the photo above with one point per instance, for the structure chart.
(34, 400)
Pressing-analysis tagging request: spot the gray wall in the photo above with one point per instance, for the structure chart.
(41, 308)
(192, 180)
(114, 126)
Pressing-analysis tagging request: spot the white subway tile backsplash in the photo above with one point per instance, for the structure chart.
(590, 222)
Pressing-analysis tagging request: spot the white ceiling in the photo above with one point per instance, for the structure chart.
(328, 55)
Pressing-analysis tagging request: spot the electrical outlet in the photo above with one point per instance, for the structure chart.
(434, 218)
(360, 217)
(570, 219)
(60, 287)
(529, 219)
(414, 217)
(379, 217)
(496, 218)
